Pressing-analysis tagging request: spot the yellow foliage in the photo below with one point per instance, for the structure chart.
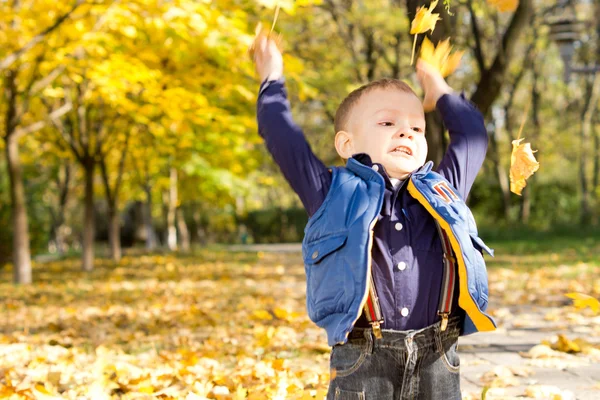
(504, 5)
(440, 56)
(581, 300)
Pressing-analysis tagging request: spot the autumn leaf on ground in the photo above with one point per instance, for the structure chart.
(504, 5)
(439, 56)
(540, 351)
(522, 165)
(565, 345)
(548, 392)
(424, 21)
(581, 300)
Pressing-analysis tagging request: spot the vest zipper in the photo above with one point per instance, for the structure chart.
(481, 321)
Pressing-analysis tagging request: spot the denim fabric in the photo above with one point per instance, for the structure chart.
(415, 364)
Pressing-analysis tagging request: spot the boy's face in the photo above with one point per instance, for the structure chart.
(389, 125)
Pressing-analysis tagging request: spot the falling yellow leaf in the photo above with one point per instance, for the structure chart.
(504, 5)
(425, 20)
(581, 300)
(439, 56)
(522, 165)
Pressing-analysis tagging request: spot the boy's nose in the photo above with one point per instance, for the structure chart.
(406, 134)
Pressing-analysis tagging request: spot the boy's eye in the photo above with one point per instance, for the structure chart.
(417, 129)
(386, 123)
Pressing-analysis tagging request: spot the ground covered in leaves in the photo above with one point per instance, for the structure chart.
(225, 325)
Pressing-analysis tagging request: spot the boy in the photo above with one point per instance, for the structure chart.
(394, 266)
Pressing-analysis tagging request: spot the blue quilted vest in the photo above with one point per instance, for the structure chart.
(338, 239)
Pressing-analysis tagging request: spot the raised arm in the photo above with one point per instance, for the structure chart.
(468, 137)
(306, 174)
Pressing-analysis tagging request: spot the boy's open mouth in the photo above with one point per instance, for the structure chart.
(403, 150)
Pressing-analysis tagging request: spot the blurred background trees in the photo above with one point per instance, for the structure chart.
(132, 123)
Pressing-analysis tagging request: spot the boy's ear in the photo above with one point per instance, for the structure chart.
(344, 144)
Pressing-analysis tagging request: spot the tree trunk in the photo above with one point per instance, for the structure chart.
(526, 204)
(596, 173)
(172, 209)
(200, 232)
(150, 233)
(586, 128)
(436, 142)
(58, 217)
(114, 232)
(89, 226)
(501, 175)
(492, 79)
(21, 250)
(536, 133)
(184, 233)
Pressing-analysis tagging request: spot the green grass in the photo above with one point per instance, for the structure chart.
(527, 249)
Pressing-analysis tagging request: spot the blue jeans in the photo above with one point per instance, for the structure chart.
(415, 364)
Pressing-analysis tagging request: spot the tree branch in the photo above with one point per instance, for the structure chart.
(67, 137)
(105, 180)
(40, 124)
(45, 81)
(491, 80)
(477, 34)
(122, 163)
(11, 58)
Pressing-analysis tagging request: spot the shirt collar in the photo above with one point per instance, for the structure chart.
(365, 160)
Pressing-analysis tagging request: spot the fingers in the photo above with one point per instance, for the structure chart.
(262, 44)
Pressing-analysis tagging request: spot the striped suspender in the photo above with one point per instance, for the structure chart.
(373, 310)
(449, 278)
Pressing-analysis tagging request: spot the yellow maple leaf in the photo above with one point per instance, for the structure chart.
(565, 345)
(424, 20)
(581, 300)
(522, 165)
(504, 5)
(439, 56)
(262, 315)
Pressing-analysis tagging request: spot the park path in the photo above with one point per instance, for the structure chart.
(507, 360)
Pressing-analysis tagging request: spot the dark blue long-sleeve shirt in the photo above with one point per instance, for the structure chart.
(407, 252)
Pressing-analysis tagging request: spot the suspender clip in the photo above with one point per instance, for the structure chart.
(444, 323)
(450, 258)
(376, 329)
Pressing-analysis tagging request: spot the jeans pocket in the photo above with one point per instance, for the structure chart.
(448, 352)
(348, 358)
